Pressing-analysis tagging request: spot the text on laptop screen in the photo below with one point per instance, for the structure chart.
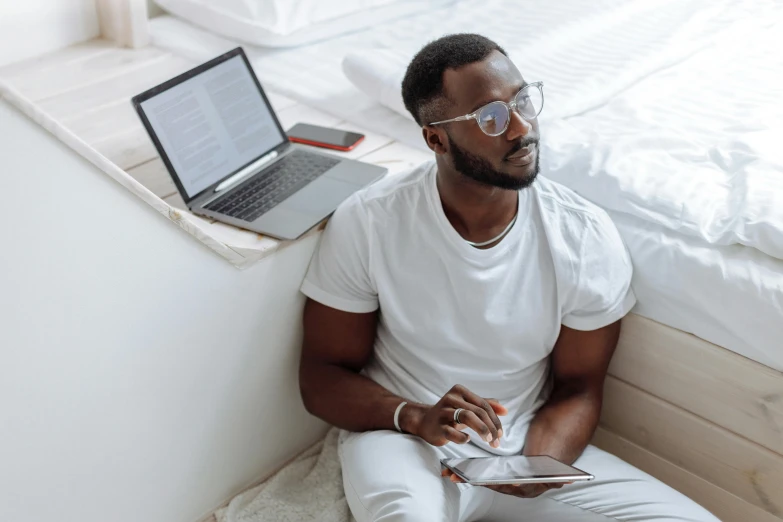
(212, 124)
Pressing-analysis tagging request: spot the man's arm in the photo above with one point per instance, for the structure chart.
(563, 427)
(337, 345)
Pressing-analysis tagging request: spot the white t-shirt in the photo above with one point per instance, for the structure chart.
(454, 314)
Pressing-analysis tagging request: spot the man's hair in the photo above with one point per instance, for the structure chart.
(422, 86)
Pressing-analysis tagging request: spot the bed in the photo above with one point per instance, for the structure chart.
(681, 408)
(695, 393)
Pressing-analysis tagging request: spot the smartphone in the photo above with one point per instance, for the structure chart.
(324, 137)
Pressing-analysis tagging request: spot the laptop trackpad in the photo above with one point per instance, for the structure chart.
(320, 198)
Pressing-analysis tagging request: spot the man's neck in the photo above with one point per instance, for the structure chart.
(476, 211)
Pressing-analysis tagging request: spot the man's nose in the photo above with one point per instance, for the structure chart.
(518, 127)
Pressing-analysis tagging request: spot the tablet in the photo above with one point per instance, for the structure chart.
(487, 471)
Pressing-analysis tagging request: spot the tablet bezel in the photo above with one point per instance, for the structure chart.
(578, 476)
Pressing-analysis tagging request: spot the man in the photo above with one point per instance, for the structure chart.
(475, 308)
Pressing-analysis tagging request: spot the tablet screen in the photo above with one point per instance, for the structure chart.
(515, 467)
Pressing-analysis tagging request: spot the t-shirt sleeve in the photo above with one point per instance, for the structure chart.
(602, 291)
(339, 272)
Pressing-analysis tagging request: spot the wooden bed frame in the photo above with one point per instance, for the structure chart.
(699, 417)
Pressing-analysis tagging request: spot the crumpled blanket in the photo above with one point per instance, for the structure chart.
(309, 488)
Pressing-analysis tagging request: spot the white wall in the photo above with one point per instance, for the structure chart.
(141, 376)
(32, 27)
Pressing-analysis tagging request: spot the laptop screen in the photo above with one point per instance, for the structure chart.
(213, 124)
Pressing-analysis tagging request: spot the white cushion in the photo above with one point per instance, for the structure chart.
(378, 73)
(286, 23)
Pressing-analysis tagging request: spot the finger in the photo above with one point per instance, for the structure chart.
(519, 490)
(506, 489)
(476, 424)
(454, 478)
(493, 429)
(445, 472)
(455, 435)
(469, 417)
(527, 490)
(536, 490)
(480, 402)
(500, 410)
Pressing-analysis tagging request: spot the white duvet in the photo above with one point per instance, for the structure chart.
(693, 146)
(586, 52)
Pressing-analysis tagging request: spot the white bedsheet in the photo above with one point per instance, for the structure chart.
(585, 51)
(694, 147)
(729, 295)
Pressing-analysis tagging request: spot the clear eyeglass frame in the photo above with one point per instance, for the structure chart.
(513, 106)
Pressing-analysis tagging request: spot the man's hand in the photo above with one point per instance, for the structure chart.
(436, 424)
(515, 490)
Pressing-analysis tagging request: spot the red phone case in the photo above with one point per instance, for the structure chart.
(326, 145)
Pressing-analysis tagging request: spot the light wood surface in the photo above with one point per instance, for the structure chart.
(724, 505)
(736, 393)
(729, 461)
(63, 57)
(87, 89)
(126, 148)
(97, 61)
(154, 176)
(111, 89)
(176, 201)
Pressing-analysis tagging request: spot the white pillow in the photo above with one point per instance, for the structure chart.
(285, 23)
(378, 73)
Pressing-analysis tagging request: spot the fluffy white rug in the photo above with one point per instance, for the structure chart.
(309, 488)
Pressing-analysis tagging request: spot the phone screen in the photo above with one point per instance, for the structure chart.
(315, 135)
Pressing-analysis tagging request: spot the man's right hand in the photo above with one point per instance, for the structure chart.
(436, 424)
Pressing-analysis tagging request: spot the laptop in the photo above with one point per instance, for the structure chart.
(223, 145)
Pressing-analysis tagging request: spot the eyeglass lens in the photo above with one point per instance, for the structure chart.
(530, 101)
(494, 117)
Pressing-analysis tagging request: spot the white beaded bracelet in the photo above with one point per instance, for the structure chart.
(397, 416)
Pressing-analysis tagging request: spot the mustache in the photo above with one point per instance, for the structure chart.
(521, 145)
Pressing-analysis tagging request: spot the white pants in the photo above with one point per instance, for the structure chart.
(392, 477)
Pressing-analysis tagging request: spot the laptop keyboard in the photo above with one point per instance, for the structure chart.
(272, 186)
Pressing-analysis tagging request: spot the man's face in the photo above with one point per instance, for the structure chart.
(497, 161)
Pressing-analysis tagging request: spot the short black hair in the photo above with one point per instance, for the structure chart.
(423, 82)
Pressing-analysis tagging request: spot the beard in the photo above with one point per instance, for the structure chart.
(480, 170)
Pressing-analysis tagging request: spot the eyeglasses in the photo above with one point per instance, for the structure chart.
(494, 118)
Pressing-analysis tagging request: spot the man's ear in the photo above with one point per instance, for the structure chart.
(435, 139)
